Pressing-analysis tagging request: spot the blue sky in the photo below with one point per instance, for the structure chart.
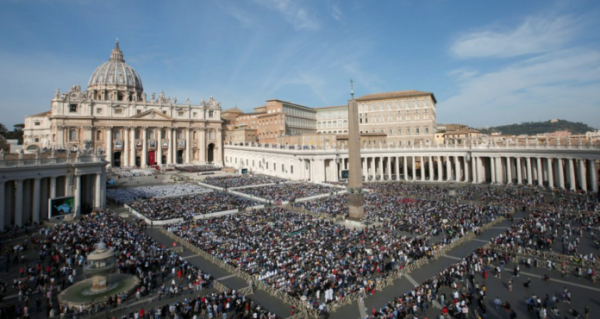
(487, 62)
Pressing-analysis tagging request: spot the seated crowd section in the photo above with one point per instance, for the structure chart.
(188, 206)
(196, 168)
(126, 195)
(288, 191)
(241, 180)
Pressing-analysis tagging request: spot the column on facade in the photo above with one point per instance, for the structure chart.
(414, 169)
(550, 173)
(144, 147)
(125, 153)
(2, 203)
(583, 178)
(448, 169)
(202, 145)
(572, 179)
(159, 147)
(36, 200)
(109, 144)
(187, 158)
(593, 175)
(540, 173)
(133, 147)
(379, 167)
(171, 137)
(19, 203)
(519, 171)
(561, 173)
(77, 195)
(458, 173)
(372, 171)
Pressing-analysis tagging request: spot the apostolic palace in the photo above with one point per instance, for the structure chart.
(113, 123)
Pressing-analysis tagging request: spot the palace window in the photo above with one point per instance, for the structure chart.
(210, 114)
(417, 130)
(118, 111)
(118, 135)
(180, 113)
(426, 130)
(137, 134)
(37, 123)
(98, 111)
(72, 135)
(408, 131)
(195, 114)
(73, 108)
(399, 131)
(211, 135)
(138, 111)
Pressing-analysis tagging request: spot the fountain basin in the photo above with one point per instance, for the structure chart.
(82, 293)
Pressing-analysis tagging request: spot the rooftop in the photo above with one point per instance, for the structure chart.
(395, 94)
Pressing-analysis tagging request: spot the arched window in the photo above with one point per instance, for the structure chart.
(72, 135)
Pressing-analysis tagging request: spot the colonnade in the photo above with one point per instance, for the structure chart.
(161, 146)
(26, 187)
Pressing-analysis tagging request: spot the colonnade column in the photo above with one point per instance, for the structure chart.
(448, 169)
(77, 195)
(540, 174)
(365, 173)
(2, 203)
(422, 168)
(109, 155)
(414, 169)
(474, 169)
(561, 173)
(440, 172)
(550, 173)
(202, 146)
(187, 147)
(36, 200)
(125, 154)
(372, 170)
(389, 168)
(405, 164)
(144, 147)
(593, 175)
(582, 175)
(457, 174)
(529, 172)
(397, 164)
(133, 147)
(519, 176)
(98, 191)
(52, 186)
(508, 171)
(466, 166)
(572, 179)
(431, 174)
(19, 203)
(493, 169)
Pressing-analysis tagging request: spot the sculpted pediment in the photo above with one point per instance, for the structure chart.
(152, 115)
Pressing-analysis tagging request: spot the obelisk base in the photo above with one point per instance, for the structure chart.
(356, 206)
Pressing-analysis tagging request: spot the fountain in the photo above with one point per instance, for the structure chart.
(103, 284)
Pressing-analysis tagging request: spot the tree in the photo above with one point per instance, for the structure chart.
(3, 130)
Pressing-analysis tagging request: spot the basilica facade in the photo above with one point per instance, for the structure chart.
(115, 117)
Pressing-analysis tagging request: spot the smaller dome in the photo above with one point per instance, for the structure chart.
(115, 72)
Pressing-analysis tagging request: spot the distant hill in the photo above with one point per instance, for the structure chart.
(533, 128)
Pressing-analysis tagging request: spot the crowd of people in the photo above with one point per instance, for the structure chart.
(305, 255)
(196, 168)
(241, 180)
(288, 191)
(188, 206)
(129, 172)
(62, 252)
(126, 195)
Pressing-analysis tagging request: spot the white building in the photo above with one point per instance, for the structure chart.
(116, 116)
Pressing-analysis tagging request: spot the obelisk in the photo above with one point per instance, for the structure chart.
(355, 190)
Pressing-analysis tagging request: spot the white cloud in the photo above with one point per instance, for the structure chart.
(561, 84)
(298, 16)
(336, 12)
(534, 35)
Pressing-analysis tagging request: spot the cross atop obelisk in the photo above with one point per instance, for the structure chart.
(355, 191)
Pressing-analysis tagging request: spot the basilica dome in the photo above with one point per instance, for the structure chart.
(116, 74)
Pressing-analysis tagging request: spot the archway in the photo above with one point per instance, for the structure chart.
(211, 152)
(138, 161)
(180, 157)
(117, 159)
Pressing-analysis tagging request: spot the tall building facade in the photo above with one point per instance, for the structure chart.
(407, 117)
(116, 116)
